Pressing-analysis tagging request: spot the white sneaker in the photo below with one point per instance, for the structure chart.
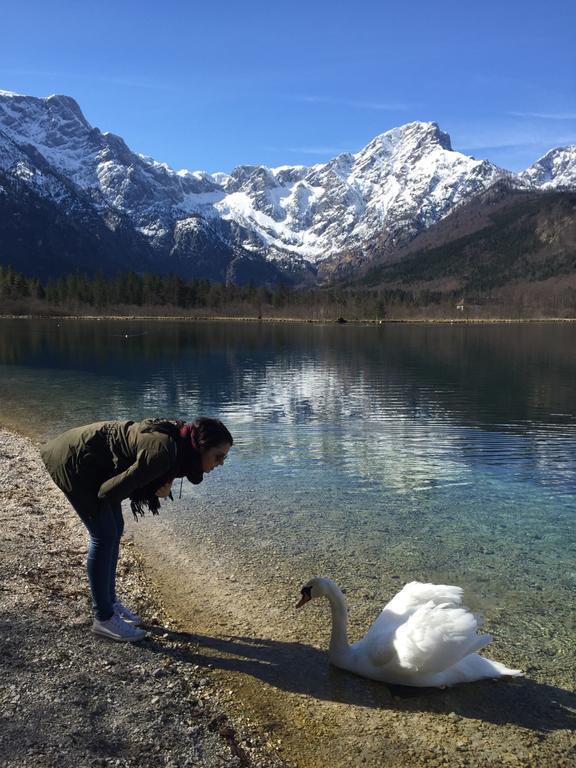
(126, 614)
(117, 629)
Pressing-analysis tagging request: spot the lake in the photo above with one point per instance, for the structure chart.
(375, 454)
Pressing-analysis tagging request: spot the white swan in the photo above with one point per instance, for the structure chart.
(423, 637)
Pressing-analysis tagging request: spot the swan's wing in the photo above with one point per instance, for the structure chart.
(436, 637)
(415, 594)
(405, 603)
(378, 640)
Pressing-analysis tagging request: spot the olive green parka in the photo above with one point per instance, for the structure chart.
(108, 460)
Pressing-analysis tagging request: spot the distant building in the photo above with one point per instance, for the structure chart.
(460, 305)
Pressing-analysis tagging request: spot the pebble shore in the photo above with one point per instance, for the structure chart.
(71, 699)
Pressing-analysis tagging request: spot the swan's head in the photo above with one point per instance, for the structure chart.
(316, 587)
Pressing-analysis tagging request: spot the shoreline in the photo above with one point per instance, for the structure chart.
(227, 640)
(314, 321)
(69, 698)
(276, 658)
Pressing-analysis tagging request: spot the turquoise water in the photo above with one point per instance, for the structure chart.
(374, 454)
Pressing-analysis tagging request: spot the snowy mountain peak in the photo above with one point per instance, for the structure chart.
(53, 126)
(555, 170)
(245, 178)
(404, 181)
(56, 108)
(68, 108)
(417, 137)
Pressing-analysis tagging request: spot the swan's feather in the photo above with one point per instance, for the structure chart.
(415, 594)
(410, 598)
(436, 637)
(474, 667)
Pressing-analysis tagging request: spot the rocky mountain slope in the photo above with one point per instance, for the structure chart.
(505, 236)
(257, 224)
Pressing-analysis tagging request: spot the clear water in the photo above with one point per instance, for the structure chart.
(375, 454)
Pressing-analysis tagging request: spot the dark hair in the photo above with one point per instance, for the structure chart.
(211, 432)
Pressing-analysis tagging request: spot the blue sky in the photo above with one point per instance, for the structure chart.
(213, 85)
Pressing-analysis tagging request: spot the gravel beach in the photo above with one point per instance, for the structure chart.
(219, 681)
(68, 698)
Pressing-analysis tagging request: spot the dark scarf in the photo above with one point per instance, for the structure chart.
(188, 464)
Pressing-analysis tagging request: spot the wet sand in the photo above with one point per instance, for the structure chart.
(272, 660)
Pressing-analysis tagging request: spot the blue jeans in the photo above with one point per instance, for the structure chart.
(105, 529)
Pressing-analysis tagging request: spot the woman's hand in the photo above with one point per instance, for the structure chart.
(164, 490)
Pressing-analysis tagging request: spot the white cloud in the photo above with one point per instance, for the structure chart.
(546, 115)
(374, 105)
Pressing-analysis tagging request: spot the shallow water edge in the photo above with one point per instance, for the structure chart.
(272, 665)
(274, 662)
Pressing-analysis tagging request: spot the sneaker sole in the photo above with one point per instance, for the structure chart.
(117, 638)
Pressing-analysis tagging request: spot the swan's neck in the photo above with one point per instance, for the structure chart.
(339, 636)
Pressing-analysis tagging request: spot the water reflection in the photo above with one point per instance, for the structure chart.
(407, 407)
(392, 453)
(485, 374)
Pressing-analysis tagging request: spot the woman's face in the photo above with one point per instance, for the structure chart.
(214, 457)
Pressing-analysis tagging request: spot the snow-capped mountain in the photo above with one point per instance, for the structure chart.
(402, 182)
(257, 222)
(556, 170)
(48, 145)
(55, 131)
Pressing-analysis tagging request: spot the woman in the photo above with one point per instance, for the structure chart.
(99, 465)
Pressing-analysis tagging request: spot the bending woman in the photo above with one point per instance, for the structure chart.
(99, 465)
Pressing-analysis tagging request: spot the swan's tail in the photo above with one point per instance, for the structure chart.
(474, 667)
(438, 638)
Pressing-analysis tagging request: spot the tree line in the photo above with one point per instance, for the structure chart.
(77, 292)
(157, 295)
